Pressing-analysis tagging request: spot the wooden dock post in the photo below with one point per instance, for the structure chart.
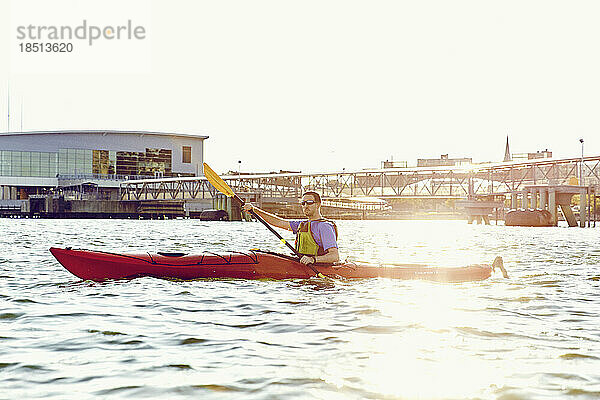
(534, 203)
(552, 205)
(568, 214)
(582, 207)
(524, 202)
(543, 198)
(594, 209)
(592, 206)
(228, 207)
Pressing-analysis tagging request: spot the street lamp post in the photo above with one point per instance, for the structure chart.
(239, 181)
(581, 168)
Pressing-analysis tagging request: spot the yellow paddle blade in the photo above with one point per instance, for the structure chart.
(217, 182)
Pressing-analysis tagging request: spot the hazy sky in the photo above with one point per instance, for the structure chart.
(320, 85)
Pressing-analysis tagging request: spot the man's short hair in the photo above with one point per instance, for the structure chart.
(315, 196)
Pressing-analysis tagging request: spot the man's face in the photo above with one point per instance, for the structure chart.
(309, 205)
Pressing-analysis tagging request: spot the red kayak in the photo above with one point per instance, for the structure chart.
(256, 264)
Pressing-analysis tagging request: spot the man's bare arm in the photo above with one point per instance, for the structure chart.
(270, 218)
(331, 256)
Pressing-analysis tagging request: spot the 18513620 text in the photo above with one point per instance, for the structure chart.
(43, 47)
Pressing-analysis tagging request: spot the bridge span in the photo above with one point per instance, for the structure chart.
(418, 182)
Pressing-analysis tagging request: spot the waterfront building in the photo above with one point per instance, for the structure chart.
(40, 161)
(533, 156)
(525, 156)
(394, 164)
(443, 161)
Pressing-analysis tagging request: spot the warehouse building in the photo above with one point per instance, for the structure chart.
(34, 163)
(443, 161)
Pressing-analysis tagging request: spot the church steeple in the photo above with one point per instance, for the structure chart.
(507, 156)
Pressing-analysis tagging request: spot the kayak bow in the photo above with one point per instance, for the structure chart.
(256, 264)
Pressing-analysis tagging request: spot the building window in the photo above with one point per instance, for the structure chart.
(103, 162)
(144, 163)
(187, 155)
(23, 163)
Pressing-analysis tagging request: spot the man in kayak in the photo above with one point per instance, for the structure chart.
(316, 237)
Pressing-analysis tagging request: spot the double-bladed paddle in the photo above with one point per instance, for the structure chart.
(224, 188)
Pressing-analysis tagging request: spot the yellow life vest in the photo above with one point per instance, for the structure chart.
(306, 243)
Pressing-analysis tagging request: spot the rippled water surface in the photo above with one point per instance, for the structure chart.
(535, 335)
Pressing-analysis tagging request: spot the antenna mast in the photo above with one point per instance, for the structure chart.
(8, 107)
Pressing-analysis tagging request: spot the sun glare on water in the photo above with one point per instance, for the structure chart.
(419, 351)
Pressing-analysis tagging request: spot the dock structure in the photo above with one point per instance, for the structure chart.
(554, 197)
(471, 183)
(480, 209)
(476, 182)
(418, 182)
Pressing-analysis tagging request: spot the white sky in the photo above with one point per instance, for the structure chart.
(324, 85)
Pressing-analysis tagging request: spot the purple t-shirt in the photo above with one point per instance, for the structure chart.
(322, 231)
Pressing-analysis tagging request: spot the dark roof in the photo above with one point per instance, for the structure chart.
(141, 133)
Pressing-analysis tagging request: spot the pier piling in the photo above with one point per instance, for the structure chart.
(582, 207)
(534, 203)
(552, 206)
(543, 198)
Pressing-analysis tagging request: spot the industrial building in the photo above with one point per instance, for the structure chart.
(443, 161)
(532, 156)
(35, 163)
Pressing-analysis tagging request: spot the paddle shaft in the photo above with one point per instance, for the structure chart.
(269, 227)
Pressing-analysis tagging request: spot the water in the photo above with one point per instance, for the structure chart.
(533, 336)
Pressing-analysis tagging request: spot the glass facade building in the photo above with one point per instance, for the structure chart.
(36, 162)
(28, 163)
(152, 162)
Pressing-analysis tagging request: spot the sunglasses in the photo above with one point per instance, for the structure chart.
(309, 202)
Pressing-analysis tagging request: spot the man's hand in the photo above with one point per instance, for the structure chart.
(308, 260)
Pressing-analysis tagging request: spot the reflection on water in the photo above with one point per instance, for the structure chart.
(535, 335)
